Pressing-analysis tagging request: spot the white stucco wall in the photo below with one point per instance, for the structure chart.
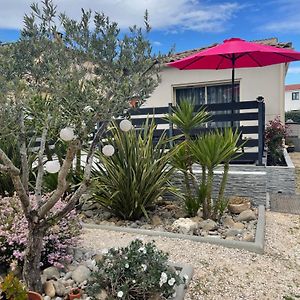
(266, 81)
(289, 103)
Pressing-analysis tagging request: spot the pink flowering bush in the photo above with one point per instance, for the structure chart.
(14, 230)
(275, 132)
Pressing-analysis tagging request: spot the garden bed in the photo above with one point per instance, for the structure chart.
(58, 283)
(245, 230)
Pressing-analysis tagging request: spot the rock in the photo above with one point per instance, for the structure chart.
(237, 205)
(156, 296)
(248, 237)
(88, 213)
(232, 232)
(68, 275)
(58, 298)
(51, 272)
(134, 225)
(185, 225)
(81, 273)
(200, 213)
(47, 298)
(43, 278)
(49, 289)
(208, 225)
(238, 225)
(60, 289)
(91, 264)
(246, 215)
(171, 207)
(98, 257)
(228, 222)
(156, 220)
(197, 219)
(102, 295)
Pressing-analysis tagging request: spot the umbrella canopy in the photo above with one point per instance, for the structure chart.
(236, 53)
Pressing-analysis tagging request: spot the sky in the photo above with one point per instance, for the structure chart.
(185, 24)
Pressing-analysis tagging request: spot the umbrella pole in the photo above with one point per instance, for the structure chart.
(232, 84)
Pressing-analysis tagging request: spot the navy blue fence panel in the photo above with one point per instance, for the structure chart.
(256, 114)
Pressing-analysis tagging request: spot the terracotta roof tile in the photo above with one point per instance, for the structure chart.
(268, 41)
(292, 87)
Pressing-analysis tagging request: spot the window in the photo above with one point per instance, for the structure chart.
(295, 96)
(208, 94)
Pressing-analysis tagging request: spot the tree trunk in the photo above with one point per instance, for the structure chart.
(31, 269)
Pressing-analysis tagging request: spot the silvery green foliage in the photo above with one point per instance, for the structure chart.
(86, 75)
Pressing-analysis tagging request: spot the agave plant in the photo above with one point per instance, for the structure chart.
(186, 119)
(128, 182)
(209, 151)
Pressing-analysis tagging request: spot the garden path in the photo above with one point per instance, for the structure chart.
(223, 273)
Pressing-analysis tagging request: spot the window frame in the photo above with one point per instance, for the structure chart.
(295, 96)
(202, 85)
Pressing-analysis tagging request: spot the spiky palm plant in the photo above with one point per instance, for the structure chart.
(187, 119)
(129, 182)
(209, 151)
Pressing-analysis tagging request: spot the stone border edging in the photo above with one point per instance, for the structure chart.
(181, 289)
(257, 246)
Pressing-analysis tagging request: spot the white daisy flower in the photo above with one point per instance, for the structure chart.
(171, 281)
(126, 265)
(120, 294)
(144, 267)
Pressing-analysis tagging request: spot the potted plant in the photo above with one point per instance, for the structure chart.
(13, 289)
(75, 293)
(238, 204)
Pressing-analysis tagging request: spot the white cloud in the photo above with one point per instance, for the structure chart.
(178, 15)
(294, 70)
(288, 16)
(157, 43)
(284, 26)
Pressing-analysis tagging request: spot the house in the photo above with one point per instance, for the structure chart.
(214, 86)
(292, 97)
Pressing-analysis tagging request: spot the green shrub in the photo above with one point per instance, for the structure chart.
(139, 271)
(293, 115)
(128, 182)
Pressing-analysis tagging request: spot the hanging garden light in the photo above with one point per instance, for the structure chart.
(67, 134)
(108, 150)
(125, 125)
(52, 166)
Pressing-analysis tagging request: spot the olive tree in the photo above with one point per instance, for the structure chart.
(49, 81)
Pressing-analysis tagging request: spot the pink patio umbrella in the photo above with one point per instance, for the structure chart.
(236, 53)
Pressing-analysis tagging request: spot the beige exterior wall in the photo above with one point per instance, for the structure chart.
(267, 82)
(289, 103)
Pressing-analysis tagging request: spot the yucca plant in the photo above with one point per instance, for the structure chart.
(187, 119)
(129, 182)
(209, 151)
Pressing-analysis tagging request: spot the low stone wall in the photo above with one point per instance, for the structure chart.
(251, 181)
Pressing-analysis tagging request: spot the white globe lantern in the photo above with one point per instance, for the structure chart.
(52, 166)
(125, 125)
(67, 134)
(108, 150)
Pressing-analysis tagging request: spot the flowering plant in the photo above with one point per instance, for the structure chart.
(275, 133)
(14, 230)
(139, 271)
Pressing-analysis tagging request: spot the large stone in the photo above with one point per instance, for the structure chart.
(233, 232)
(228, 222)
(156, 220)
(60, 289)
(81, 273)
(51, 272)
(185, 225)
(238, 225)
(208, 225)
(248, 237)
(246, 215)
(49, 289)
(102, 295)
(238, 204)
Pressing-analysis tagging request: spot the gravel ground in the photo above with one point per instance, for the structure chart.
(221, 273)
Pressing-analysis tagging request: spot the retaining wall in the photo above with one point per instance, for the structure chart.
(251, 181)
